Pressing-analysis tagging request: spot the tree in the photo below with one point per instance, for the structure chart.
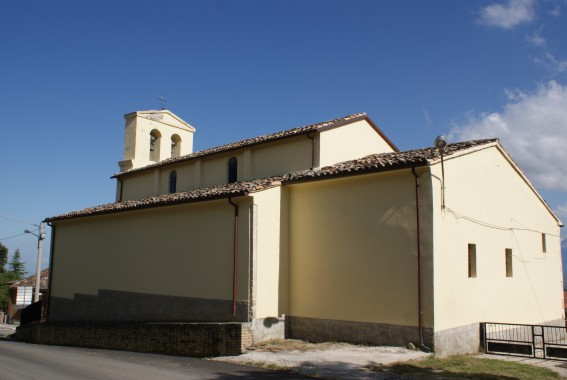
(17, 266)
(3, 257)
(5, 277)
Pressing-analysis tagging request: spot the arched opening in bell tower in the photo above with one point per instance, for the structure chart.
(175, 146)
(155, 141)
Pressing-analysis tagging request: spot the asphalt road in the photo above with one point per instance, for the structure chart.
(29, 361)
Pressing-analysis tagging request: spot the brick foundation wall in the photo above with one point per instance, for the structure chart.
(182, 339)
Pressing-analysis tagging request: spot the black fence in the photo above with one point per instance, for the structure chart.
(32, 313)
(535, 341)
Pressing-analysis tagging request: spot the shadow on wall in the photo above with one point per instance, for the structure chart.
(116, 306)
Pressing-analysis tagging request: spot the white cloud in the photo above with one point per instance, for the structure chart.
(561, 212)
(532, 127)
(428, 122)
(509, 15)
(557, 66)
(535, 39)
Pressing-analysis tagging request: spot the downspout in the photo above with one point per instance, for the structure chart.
(235, 256)
(50, 279)
(419, 290)
(312, 150)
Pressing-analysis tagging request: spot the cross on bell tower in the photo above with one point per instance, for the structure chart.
(162, 101)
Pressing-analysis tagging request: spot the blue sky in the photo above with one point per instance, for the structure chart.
(70, 70)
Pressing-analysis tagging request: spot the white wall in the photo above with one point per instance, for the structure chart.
(489, 204)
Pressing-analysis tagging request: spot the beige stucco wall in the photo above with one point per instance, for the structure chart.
(267, 252)
(490, 205)
(136, 186)
(280, 157)
(350, 141)
(260, 161)
(352, 250)
(184, 250)
(332, 145)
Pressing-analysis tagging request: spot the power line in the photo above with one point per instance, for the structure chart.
(17, 220)
(9, 237)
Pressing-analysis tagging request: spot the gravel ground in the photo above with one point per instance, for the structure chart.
(347, 361)
(328, 361)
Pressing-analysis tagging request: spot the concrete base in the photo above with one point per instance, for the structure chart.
(467, 339)
(456, 341)
(267, 328)
(319, 330)
(118, 306)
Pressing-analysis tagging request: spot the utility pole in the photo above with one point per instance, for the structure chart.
(38, 270)
(40, 238)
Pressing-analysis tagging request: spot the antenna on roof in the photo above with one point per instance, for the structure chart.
(162, 100)
(440, 144)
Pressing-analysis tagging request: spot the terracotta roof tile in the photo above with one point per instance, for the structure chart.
(248, 142)
(30, 281)
(372, 163)
(383, 161)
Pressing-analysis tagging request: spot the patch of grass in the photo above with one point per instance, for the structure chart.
(468, 367)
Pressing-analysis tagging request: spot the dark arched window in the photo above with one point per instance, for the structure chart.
(232, 170)
(172, 181)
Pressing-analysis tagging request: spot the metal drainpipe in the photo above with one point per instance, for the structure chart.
(419, 306)
(235, 255)
(50, 279)
(312, 150)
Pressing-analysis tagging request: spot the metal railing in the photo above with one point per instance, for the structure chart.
(536, 341)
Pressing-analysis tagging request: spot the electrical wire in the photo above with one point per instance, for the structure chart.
(9, 237)
(17, 220)
(494, 226)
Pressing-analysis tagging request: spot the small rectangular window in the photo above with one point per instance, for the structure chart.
(543, 243)
(509, 271)
(472, 260)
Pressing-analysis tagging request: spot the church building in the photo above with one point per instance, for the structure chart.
(322, 232)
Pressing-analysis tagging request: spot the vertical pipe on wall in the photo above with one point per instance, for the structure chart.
(50, 279)
(419, 290)
(235, 256)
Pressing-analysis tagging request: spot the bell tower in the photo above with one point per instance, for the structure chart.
(153, 136)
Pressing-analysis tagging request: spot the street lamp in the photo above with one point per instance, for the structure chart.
(40, 238)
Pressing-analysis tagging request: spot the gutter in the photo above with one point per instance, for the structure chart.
(50, 279)
(419, 290)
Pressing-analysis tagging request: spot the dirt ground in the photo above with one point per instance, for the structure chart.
(324, 360)
(346, 361)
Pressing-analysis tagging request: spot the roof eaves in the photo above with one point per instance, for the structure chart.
(144, 204)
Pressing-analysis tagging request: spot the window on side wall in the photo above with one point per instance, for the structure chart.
(509, 270)
(173, 182)
(232, 170)
(472, 260)
(543, 244)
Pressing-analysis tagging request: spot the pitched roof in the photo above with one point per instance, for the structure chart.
(369, 164)
(258, 140)
(30, 281)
